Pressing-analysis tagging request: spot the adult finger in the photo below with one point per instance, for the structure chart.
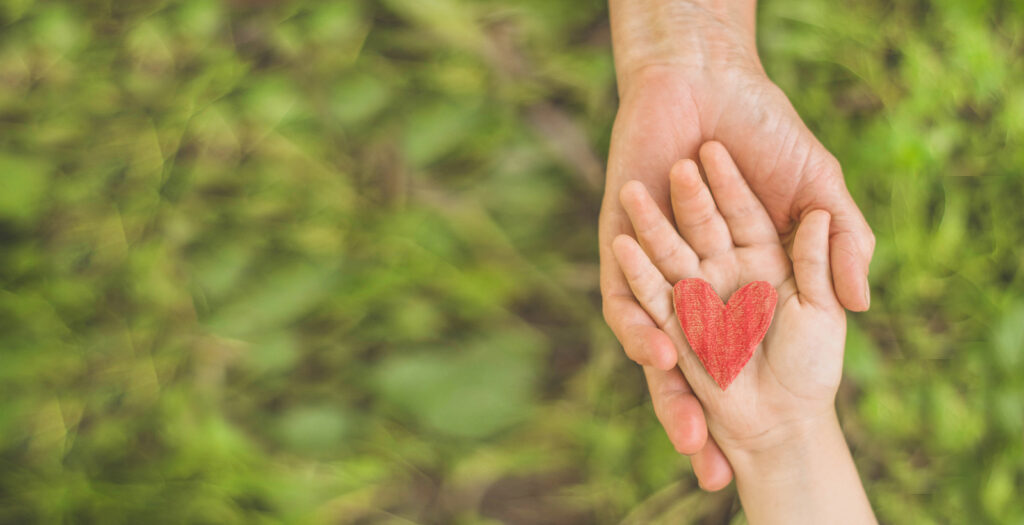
(851, 242)
(677, 409)
(640, 337)
(667, 250)
(711, 467)
(851, 246)
(746, 217)
(697, 217)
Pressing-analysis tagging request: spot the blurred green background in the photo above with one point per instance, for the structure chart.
(336, 261)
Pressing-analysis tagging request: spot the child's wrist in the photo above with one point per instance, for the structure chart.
(788, 449)
(808, 477)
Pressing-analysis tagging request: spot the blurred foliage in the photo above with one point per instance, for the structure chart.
(336, 261)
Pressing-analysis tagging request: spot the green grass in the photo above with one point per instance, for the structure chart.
(336, 261)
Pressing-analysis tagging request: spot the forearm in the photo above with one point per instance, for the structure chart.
(809, 479)
(691, 33)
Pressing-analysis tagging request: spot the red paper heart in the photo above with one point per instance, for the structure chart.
(724, 336)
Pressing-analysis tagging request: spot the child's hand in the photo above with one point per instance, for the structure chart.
(776, 422)
(790, 382)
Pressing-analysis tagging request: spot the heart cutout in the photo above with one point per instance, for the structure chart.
(724, 336)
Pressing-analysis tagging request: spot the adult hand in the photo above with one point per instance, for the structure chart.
(688, 72)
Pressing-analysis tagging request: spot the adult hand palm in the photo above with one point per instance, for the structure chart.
(664, 116)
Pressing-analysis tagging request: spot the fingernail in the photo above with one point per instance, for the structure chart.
(867, 296)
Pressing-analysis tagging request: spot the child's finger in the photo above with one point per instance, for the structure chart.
(628, 320)
(746, 217)
(678, 410)
(697, 216)
(647, 283)
(667, 250)
(811, 260)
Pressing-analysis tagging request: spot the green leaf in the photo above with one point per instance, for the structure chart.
(1009, 338)
(274, 301)
(23, 183)
(314, 428)
(861, 359)
(360, 97)
(435, 130)
(471, 394)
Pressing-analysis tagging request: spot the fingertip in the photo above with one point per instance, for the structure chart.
(663, 352)
(678, 410)
(625, 248)
(717, 480)
(684, 173)
(682, 167)
(852, 245)
(852, 287)
(719, 164)
(632, 192)
(849, 275)
(712, 149)
(686, 184)
(815, 226)
(620, 243)
(813, 231)
(711, 468)
(818, 215)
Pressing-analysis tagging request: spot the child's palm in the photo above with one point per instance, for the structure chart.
(796, 369)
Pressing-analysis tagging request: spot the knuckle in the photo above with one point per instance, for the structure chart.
(667, 254)
(846, 251)
(665, 322)
(700, 217)
(831, 166)
(744, 210)
(808, 260)
(822, 165)
(648, 228)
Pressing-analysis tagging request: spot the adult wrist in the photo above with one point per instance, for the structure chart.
(687, 35)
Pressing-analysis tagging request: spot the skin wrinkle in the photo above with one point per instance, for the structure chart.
(794, 139)
(825, 171)
(808, 177)
(673, 253)
(794, 136)
(709, 38)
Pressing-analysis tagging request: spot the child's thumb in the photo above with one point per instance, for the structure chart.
(811, 260)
